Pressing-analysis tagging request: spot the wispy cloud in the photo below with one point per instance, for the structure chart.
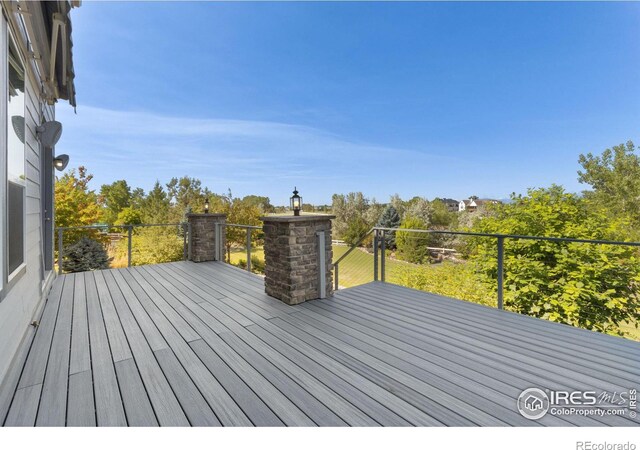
(247, 156)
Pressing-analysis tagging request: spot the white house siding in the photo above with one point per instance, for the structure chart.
(23, 300)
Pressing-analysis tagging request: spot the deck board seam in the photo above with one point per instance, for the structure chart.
(135, 363)
(151, 350)
(170, 348)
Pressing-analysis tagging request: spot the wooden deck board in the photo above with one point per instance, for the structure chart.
(81, 411)
(526, 353)
(203, 345)
(53, 401)
(80, 353)
(546, 342)
(134, 395)
(109, 405)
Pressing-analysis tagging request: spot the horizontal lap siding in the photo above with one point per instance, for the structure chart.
(22, 301)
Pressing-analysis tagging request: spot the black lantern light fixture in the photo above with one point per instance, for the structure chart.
(296, 202)
(206, 205)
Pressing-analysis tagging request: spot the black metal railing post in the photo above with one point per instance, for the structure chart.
(335, 277)
(375, 255)
(248, 249)
(60, 250)
(383, 247)
(500, 272)
(190, 242)
(184, 242)
(129, 236)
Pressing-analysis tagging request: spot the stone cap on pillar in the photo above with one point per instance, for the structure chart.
(212, 215)
(300, 218)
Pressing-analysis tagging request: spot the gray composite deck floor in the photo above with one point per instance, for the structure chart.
(182, 344)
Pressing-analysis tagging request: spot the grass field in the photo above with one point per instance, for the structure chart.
(354, 270)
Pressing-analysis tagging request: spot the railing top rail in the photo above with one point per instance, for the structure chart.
(353, 247)
(83, 227)
(514, 236)
(252, 227)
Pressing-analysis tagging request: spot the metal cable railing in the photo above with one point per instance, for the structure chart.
(249, 232)
(533, 275)
(101, 234)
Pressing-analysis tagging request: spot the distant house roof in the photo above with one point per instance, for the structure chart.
(449, 200)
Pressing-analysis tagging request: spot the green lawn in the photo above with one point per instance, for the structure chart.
(354, 270)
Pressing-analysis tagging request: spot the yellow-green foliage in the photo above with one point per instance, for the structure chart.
(585, 285)
(152, 246)
(458, 280)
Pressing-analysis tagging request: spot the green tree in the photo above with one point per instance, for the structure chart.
(347, 208)
(398, 204)
(187, 194)
(390, 219)
(356, 229)
(241, 212)
(263, 203)
(114, 198)
(586, 285)
(156, 205)
(76, 204)
(129, 216)
(412, 247)
(615, 180)
(420, 208)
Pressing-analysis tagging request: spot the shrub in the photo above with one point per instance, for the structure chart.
(460, 281)
(412, 247)
(86, 254)
(257, 264)
(152, 246)
(585, 285)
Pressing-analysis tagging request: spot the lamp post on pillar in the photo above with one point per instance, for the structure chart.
(296, 202)
(298, 255)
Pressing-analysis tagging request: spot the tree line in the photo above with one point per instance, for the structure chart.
(592, 286)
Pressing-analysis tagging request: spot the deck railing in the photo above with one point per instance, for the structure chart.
(249, 230)
(103, 230)
(370, 260)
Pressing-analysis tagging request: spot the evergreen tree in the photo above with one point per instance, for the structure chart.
(390, 219)
(86, 254)
(114, 198)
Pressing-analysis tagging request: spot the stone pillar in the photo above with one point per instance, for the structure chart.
(292, 256)
(203, 236)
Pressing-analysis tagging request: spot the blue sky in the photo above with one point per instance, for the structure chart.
(430, 99)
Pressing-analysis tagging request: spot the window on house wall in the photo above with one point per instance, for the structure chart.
(16, 178)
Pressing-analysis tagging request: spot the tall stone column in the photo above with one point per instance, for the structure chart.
(203, 239)
(294, 258)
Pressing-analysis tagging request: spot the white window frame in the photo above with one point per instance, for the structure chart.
(4, 48)
(7, 280)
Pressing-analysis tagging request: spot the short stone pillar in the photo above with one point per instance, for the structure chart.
(204, 236)
(293, 257)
